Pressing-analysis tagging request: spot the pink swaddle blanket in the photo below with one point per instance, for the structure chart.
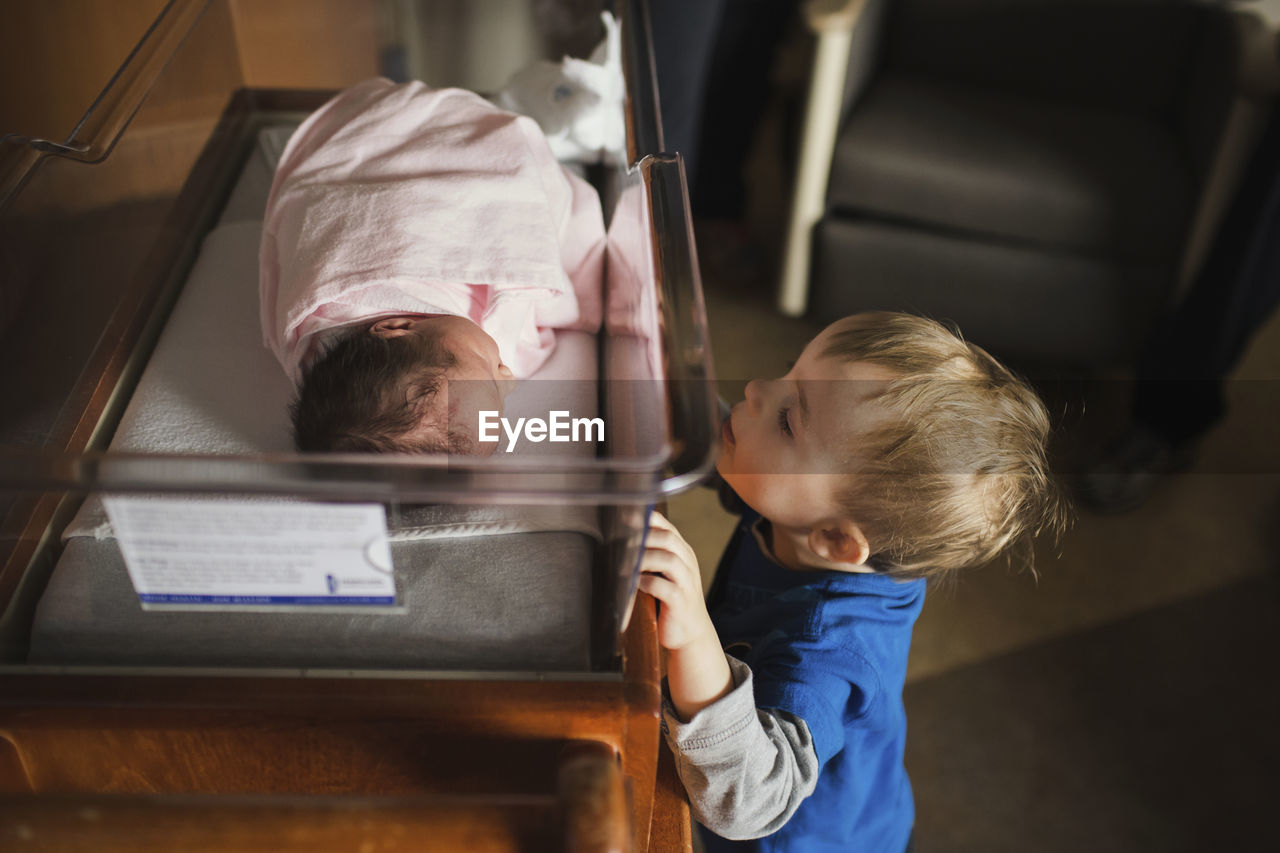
(398, 199)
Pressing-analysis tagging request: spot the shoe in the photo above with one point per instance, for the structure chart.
(1131, 469)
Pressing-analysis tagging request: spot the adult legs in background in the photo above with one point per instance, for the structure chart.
(714, 63)
(684, 37)
(713, 60)
(1179, 393)
(737, 93)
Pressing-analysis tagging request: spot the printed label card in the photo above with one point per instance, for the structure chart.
(214, 554)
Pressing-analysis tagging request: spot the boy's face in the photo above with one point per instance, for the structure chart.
(788, 446)
(477, 381)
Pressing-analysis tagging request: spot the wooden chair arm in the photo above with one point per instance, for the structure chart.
(593, 800)
(672, 830)
(140, 823)
(588, 813)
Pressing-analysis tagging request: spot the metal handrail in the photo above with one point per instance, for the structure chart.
(107, 118)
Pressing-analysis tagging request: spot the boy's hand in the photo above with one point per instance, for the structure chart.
(697, 672)
(669, 572)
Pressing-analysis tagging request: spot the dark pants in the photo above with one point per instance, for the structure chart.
(684, 36)
(713, 60)
(1180, 389)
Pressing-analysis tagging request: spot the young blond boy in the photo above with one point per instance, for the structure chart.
(891, 452)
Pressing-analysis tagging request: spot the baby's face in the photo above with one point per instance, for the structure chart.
(787, 444)
(477, 381)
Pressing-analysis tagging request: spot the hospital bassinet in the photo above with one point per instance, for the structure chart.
(129, 264)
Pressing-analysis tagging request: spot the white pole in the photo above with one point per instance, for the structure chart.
(821, 122)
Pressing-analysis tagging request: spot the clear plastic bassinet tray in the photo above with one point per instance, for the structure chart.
(134, 370)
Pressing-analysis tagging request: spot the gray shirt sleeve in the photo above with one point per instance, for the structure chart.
(746, 770)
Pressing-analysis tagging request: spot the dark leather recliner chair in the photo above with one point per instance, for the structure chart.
(1029, 169)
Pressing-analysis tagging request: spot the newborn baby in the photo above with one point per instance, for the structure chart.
(420, 248)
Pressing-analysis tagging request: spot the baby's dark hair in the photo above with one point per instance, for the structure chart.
(368, 393)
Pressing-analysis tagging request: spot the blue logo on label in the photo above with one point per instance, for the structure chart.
(332, 582)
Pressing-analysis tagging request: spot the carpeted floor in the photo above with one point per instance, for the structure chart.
(1156, 732)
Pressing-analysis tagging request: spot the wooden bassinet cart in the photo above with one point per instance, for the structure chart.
(112, 737)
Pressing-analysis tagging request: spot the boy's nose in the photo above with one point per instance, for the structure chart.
(753, 395)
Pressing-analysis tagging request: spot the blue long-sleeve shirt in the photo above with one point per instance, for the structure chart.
(827, 657)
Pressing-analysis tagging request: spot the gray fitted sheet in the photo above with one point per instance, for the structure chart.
(511, 602)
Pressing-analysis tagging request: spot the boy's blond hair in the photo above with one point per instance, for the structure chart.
(960, 474)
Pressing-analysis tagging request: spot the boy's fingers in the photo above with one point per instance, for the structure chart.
(660, 588)
(662, 524)
(657, 519)
(668, 564)
(664, 563)
(664, 540)
(670, 540)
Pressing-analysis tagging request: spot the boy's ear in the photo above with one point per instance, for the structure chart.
(840, 541)
(391, 327)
